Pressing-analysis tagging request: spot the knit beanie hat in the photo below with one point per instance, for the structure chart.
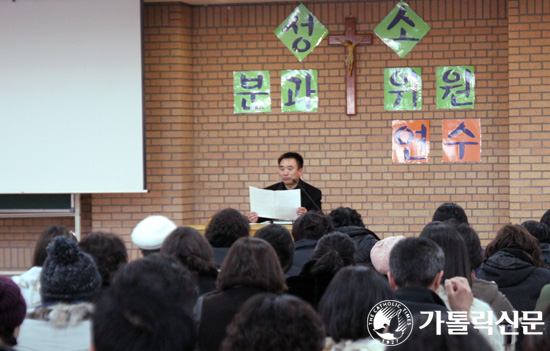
(380, 253)
(68, 274)
(12, 304)
(151, 232)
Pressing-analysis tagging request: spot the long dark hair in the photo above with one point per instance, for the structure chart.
(40, 252)
(333, 252)
(457, 263)
(348, 300)
(252, 262)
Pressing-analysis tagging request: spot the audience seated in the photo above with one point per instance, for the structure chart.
(29, 282)
(416, 269)
(147, 307)
(250, 268)
(70, 282)
(108, 251)
(458, 265)
(307, 230)
(449, 210)
(380, 253)
(348, 221)
(12, 313)
(333, 252)
(194, 252)
(269, 322)
(484, 290)
(512, 260)
(223, 230)
(432, 339)
(542, 232)
(280, 239)
(149, 234)
(345, 307)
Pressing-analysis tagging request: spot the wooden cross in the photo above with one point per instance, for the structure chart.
(350, 40)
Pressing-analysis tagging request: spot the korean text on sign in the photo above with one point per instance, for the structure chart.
(299, 91)
(402, 89)
(461, 140)
(251, 92)
(455, 87)
(301, 32)
(411, 141)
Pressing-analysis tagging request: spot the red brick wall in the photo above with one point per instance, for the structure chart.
(201, 157)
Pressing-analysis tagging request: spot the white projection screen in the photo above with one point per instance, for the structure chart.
(71, 96)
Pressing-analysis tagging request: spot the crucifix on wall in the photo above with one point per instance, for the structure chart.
(350, 40)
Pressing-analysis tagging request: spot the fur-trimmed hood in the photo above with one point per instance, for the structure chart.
(63, 315)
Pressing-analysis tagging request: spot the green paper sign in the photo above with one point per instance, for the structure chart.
(455, 87)
(301, 32)
(299, 91)
(402, 89)
(251, 92)
(402, 29)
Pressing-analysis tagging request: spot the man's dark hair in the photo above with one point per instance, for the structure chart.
(449, 239)
(191, 249)
(345, 216)
(280, 239)
(333, 252)
(473, 245)
(313, 225)
(48, 234)
(252, 262)
(299, 159)
(108, 252)
(145, 309)
(173, 277)
(226, 227)
(450, 210)
(350, 296)
(416, 262)
(537, 229)
(269, 322)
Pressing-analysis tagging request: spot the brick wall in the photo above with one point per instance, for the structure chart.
(201, 157)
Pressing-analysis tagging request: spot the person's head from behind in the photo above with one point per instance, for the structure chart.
(268, 322)
(546, 218)
(449, 239)
(514, 236)
(539, 339)
(291, 168)
(173, 276)
(416, 262)
(68, 274)
(333, 252)
(108, 252)
(345, 216)
(252, 262)
(12, 311)
(350, 296)
(149, 234)
(448, 211)
(226, 227)
(438, 337)
(45, 239)
(280, 239)
(191, 249)
(144, 310)
(313, 225)
(473, 245)
(539, 230)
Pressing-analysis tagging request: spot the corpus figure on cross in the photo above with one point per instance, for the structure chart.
(350, 57)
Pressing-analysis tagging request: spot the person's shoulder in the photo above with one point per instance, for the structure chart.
(310, 188)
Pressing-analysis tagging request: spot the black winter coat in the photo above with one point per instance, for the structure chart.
(364, 240)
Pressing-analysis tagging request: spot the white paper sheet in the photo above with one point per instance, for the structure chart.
(277, 204)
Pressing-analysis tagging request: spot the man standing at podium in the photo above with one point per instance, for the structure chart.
(291, 167)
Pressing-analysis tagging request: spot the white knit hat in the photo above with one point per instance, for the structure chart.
(151, 232)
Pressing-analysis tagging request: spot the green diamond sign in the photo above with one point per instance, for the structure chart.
(301, 32)
(402, 29)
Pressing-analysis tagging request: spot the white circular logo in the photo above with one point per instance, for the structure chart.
(390, 322)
